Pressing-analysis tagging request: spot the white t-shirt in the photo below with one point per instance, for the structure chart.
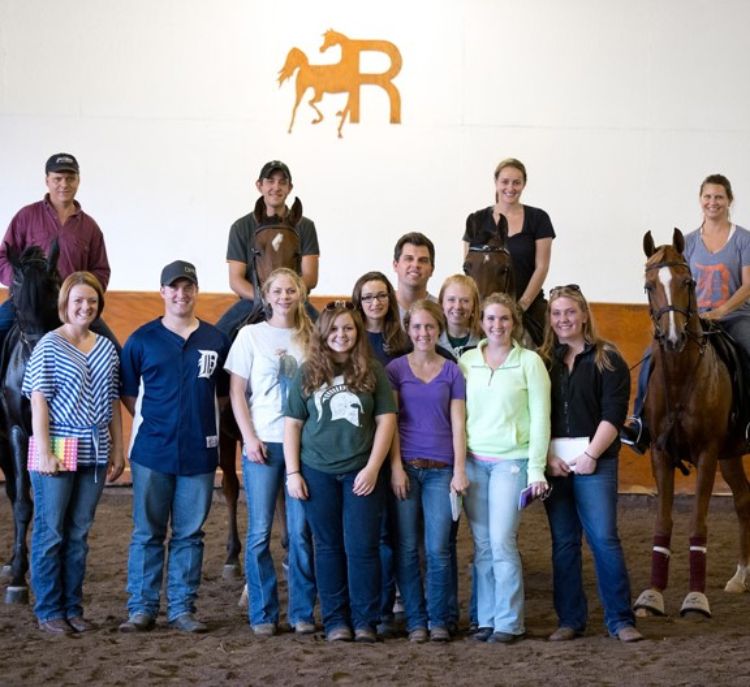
(268, 359)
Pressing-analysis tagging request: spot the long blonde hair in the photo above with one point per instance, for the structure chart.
(302, 324)
(603, 348)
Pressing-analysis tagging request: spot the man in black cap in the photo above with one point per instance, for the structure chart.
(58, 217)
(176, 364)
(274, 184)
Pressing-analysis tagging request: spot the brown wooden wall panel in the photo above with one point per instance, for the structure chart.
(626, 325)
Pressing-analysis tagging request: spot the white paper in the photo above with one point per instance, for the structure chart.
(568, 448)
(456, 504)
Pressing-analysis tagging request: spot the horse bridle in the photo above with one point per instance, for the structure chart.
(486, 248)
(688, 313)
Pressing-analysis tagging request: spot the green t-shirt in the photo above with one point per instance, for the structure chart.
(339, 424)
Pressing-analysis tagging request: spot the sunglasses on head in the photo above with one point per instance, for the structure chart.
(336, 305)
(565, 287)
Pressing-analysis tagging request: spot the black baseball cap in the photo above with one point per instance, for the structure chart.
(179, 269)
(274, 166)
(61, 162)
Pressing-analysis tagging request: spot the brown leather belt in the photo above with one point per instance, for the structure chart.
(426, 464)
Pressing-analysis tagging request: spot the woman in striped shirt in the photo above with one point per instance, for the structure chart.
(72, 380)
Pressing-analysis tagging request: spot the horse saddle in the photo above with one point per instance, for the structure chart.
(738, 365)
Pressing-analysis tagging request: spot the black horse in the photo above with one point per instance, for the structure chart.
(34, 292)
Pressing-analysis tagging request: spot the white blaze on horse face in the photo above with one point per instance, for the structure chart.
(486, 258)
(665, 277)
(277, 241)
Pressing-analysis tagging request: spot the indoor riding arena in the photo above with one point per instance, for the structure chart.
(392, 118)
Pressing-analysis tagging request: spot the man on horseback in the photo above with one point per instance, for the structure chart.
(58, 217)
(274, 184)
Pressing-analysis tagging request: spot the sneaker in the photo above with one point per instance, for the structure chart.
(80, 624)
(503, 638)
(304, 628)
(340, 634)
(365, 635)
(440, 634)
(265, 629)
(634, 434)
(629, 634)
(418, 635)
(482, 634)
(138, 622)
(55, 626)
(187, 622)
(563, 634)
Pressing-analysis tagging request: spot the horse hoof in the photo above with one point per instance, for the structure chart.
(243, 602)
(17, 595)
(740, 582)
(650, 602)
(696, 602)
(231, 571)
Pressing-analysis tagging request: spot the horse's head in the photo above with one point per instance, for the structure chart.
(488, 261)
(671, 292)
(331, 38)
(36, 284)
(276, 242)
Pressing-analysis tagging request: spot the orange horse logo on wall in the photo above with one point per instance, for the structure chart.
(342, 77)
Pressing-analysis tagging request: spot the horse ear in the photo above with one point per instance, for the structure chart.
(648, 244)
(295, 214)
(259, 212)
(678, 241)
(54, 253)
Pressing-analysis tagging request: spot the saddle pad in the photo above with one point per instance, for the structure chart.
(65, 450)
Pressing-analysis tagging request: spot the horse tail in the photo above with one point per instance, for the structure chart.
(295, 58)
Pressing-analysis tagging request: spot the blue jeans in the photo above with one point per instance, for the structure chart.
(346, 533)
(427, 508)
(64, 507)
(388, 525)
(262, 485)
(492, 507)
(588, 503)
(157, 498)
(230, 322)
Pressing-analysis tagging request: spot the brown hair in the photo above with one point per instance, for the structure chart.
(508, 302)
(303, 325)
(415, 238)
(511, 162)
(469, 283)
(76, 279)
(431, 308)
(319, 368)
(395, 340)
(719, 180)
(590, 334)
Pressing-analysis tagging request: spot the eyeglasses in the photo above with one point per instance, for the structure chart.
(336, 305)
(370, 297)
(555, 290)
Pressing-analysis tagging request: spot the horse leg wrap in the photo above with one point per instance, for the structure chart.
(697, 564)
(660, 562)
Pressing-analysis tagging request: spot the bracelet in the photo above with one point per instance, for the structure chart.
(296, 472)
(586, 453)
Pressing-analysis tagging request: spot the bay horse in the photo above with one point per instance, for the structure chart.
(275, 244)
(689, 412)
(488, 261)
(34, 292)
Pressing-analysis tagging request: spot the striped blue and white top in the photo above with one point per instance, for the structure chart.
(79, 388)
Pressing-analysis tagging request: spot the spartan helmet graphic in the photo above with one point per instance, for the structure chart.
(346, 406)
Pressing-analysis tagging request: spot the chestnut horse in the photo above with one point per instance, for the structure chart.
(689, 412)
(275, 244)
(34, 294)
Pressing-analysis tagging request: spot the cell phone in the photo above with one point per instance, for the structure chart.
(525, 497)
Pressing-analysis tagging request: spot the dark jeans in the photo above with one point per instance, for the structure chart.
(346, 536)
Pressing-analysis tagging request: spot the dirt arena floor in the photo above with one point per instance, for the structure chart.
(677, 652)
